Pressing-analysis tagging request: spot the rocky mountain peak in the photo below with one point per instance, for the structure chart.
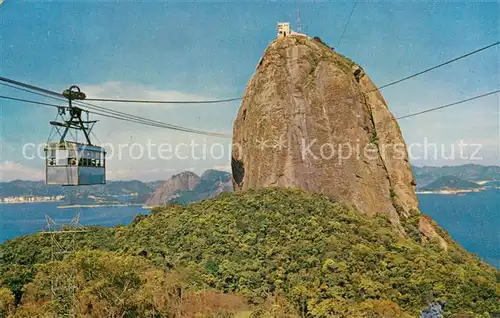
(188, 187)
(313, 119)
(184, 181)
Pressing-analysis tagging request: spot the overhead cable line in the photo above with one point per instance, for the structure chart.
(28, 101)
(449, 105)
(78, 103)
(62, 98)
(143, 122)
(347, 23)
(163, 126)
(49, 92)
(367, 92)
(57, 96)
(32, 87)
(142, 101)
(437, 66)
(155, 123)
(102, 111)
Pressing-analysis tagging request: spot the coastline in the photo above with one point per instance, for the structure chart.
(452, 191)
(25, 202)
(97, 205)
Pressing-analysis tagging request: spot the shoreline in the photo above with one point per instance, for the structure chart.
(452, 191)
(25, 202)
(97, 205)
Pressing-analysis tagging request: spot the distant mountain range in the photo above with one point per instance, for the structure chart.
(182, 188)
(470, 172)
(188, 187)
(133, 192)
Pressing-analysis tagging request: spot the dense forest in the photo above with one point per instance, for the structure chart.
(265, 253)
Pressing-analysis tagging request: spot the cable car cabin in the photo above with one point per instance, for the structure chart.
(70, 162)
(74, 164)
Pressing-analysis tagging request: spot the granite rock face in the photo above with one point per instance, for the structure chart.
(187, 187)
(184, 181)
(312, 119)
(392, 147)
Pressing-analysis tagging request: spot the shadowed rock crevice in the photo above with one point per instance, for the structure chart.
(238, 172)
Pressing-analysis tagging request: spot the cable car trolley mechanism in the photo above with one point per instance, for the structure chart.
(69, 162)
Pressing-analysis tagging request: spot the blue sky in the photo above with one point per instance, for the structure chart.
(185, 50)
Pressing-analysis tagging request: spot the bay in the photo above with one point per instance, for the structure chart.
(27, 218)
(472, 219)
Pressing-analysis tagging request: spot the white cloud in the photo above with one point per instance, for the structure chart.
(123, 90)
(223, 167)
(146, 174)
(11, 171)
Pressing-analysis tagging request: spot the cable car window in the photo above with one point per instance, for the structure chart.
(61, 158)
(51, 157)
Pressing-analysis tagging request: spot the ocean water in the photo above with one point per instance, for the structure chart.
(26, 218)
(472, 219)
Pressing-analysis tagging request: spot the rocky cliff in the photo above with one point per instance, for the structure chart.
(213, 183)
(170, 189)
(187, 187)
(312, 119)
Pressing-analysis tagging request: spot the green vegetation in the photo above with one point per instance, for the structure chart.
(266, 253)
(343, 62)
(411, 225)
(318, 39)
(374, 138)
(392, 193)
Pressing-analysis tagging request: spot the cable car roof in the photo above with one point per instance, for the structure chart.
(69, 145)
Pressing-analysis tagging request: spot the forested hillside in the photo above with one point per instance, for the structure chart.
(265, 253)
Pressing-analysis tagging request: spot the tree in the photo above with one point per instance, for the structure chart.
(6, 302)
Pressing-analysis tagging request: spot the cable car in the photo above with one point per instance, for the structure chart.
(69, 162)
